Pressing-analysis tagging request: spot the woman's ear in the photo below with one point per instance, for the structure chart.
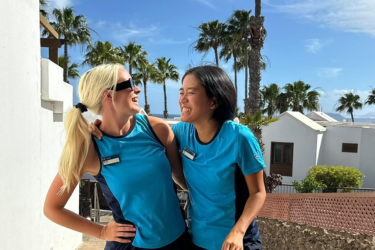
(214, 104)
(107, 95)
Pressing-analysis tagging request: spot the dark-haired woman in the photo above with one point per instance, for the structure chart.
(222, 164)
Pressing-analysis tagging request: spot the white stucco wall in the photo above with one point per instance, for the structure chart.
(288, 129)
(367, 157)
(31, 140)
(331, 153)
(364, 160)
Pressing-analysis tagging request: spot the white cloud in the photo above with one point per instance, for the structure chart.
(131, 31)
(315, 45)
(207, 3)
(101, 24)
(329, 100)
(163, 40)
(329, 72)
(124, 33)
(57, 4)
(335, 94)
(345, 15)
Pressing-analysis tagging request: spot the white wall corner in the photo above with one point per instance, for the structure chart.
(56, 95)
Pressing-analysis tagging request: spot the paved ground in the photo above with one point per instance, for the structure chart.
(92, 243)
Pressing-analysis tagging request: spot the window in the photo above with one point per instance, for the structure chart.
(350, 147)
(282, 158)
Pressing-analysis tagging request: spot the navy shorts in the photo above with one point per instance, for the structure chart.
(182, 243)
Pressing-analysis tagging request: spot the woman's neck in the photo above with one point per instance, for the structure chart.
(115, 125)
(207, 130)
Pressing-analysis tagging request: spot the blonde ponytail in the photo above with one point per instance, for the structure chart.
(91, 87)
(76, 148)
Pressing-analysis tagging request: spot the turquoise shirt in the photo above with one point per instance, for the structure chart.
(139, 188)
(215, 178)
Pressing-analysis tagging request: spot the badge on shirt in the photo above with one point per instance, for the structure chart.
(108, 160)
(188, 153)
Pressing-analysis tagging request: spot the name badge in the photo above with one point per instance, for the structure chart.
(108, 160)
(188, 153)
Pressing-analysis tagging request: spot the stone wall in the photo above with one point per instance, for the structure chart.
(280, 235)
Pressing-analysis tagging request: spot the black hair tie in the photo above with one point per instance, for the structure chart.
(81, 106)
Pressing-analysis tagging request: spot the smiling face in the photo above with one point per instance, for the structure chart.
(126, 100)
(196, 106)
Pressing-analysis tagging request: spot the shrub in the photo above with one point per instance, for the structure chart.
(272, 181)
(323, 177)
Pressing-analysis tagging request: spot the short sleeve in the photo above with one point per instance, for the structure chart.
(177, 132)
(249, 155)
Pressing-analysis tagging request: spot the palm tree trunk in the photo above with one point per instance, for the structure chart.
(235, 73)
(246, 79)
(216, 57)
(352, 116)
(130, 69)
(147, 107)
(256, 42)
(165, 101)
(66, 58)
(295, 107)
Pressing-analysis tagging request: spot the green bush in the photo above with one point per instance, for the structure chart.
(322, 177)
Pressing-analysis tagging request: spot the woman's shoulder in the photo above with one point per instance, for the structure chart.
(159, 127)
(237, 129)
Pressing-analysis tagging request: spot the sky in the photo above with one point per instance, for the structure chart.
(328, 44)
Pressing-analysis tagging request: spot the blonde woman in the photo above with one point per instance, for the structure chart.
(132, 163)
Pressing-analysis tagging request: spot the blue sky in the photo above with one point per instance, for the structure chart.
(328, 44)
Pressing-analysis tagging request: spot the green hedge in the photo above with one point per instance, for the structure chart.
(322, 177)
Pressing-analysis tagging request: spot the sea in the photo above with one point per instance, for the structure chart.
(338, 117)
(170, 116)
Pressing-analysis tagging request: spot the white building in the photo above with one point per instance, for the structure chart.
(297, 142)
(34, 98)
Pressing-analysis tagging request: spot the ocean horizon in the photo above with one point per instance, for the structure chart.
(358, 119)
(170, 116)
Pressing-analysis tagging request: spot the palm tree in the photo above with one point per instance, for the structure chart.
(42, 5)
(256, 41)
(72, 28)
(146, 72)
(349, 102)
(231, 47)
(133, 55)
(371, 98)
(300, 98)
(166, 70)
(255, 123)
(73, 72)
(269, 96)
(282, 103)
(100, 53)
(239, 26)
(210, 36)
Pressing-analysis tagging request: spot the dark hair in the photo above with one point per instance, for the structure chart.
(217, 84)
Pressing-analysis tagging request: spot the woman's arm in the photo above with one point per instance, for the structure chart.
(252, 207)
(166, 136)
(54, 208)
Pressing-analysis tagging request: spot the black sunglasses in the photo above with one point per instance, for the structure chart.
(123, 85)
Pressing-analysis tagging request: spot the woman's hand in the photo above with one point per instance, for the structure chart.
(113, 231)
(93, 128)
(234, 241)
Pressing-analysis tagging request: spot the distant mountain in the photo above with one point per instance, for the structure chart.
(368, 118)
(371, 114)
(336, 116)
